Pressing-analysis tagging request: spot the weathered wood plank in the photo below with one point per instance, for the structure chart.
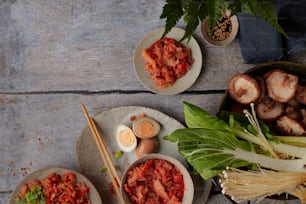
(89, 45)
(41, 130)
(53, 51)
(4, 198)
(64, 45)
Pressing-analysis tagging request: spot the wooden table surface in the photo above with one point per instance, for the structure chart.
(56, 55)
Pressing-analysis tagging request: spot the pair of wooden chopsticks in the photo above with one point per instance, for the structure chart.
(104, 154)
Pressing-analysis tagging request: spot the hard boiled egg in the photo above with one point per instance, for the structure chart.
(126, 139)
(147, 146)
(145, 127)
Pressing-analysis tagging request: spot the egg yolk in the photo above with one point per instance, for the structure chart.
(146, 128)
(126, 138)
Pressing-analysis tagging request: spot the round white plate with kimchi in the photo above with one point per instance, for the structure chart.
(167, 66)
(55, 185)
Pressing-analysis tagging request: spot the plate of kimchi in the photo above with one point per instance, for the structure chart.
(55, 185)
(167, 66)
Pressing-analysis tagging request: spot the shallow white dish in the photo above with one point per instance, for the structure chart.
(181, 84)
(43, 173)
(91, 163)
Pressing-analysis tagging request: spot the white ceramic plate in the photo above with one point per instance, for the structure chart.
(43, 173)
(181, 84)
(91, 163)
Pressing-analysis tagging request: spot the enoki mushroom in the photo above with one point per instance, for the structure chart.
(256, 185)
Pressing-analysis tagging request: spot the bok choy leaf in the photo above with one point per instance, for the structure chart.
(196, 117)
(204, 149)
(210, 144)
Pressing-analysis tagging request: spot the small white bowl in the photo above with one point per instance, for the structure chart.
(188, 183)
(226, 41)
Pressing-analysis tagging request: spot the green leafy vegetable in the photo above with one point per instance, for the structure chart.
(194, 12)
(204, 148)
(295, 140)
(258, 133)
(34, 196)
(118, 154)
(211, 145)
(103, 170)
(196, 117)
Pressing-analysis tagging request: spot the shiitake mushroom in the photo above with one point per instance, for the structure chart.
(278, 98)
(280, 85)
(244, 88)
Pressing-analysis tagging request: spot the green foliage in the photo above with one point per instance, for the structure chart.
(194, 12)
(215, 9)
(34, 196)
(210, 144)
(192, 16)
(172, 11)
(265, 9)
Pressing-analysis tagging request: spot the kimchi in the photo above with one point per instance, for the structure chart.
(155, 181)
(167, 60)
(55, 189)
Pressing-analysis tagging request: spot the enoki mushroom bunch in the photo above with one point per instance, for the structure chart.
(256, 185)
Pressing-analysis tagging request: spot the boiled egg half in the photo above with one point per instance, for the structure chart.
(126, 138)
(145, 127)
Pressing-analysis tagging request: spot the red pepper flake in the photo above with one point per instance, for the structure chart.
(132, 118)
(112, 188)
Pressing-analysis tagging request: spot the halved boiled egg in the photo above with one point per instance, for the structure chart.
(126, 139)
(145, 127)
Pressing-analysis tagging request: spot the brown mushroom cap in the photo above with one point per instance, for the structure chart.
(289, 126)
(281, 86)
(293, 102)
(293, 112)
(243, 88)
(262, 86)
(268, 110)
(301, 94)
(303, 122)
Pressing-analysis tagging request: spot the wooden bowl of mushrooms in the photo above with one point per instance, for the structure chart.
(278, 90)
